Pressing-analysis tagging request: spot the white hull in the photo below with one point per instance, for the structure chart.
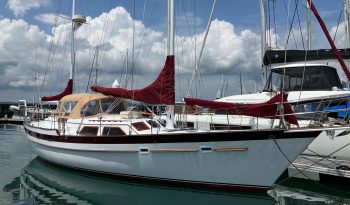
(331, 145)
(334, 144)
(181, 162)
(327, 145)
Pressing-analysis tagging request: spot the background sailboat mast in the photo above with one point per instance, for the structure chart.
(171, 31)
(72, 70)
(308, 16)
(196, 70)
(170, 51)
(263, 39)
(347, 27)
(347, 21)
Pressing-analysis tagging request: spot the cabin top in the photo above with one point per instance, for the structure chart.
(80, 105)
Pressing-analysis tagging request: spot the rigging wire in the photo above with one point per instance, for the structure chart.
(274, 21)
(123, 77)
(55, 78)
(51, 47)
(336, 30)
(300, 29)
(90, 73)
(302, 173)
(115, 22)
(306, 53)
(88, 35)
(269, 24)
(144, 34)
(35, 75)
(291, 22)
(95, 61)
(190, 33)
(287, 40)
(189, 28)
(133, 47)
(197, 62)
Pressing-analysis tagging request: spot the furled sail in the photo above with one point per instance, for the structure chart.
(267, 109)
(67, 91)
(161, 91)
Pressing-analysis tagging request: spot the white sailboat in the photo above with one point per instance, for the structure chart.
(95, 132)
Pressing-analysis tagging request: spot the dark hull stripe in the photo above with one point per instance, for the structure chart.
(172, 182)
(179, 138)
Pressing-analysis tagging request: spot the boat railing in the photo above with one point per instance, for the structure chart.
(64, 126)
(323, 112)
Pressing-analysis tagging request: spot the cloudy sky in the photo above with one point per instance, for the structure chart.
(35, 43)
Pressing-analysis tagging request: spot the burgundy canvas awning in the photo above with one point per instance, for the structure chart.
(267, 109)
(161, 91)
(67, 91)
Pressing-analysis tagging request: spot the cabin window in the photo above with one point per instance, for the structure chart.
(303, 79)
(112, 131)
(113, 105)
(140, 126)
(153, 123)
(89, 130)
(190, 124)
(228, 127)
(90, 109)
(68, 106)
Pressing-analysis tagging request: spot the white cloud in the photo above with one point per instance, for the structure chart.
(18, 41)
(52, 19)
(225, 49)
(20, 7)
(24, 47)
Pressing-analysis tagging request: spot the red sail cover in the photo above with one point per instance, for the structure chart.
(267, 109)
(67, 91)
(161, 91)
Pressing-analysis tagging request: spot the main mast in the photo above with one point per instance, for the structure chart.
(77, 21)
(170, 52)
(72, 68)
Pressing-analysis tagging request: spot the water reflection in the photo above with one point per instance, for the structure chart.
(305, 192)
(44, 183)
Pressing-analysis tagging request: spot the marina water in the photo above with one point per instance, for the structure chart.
(27, 179)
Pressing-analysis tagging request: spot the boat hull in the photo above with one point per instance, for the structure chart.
(331, 144)
(251, 164)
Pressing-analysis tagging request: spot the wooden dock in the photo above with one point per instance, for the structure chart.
(320, 169)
